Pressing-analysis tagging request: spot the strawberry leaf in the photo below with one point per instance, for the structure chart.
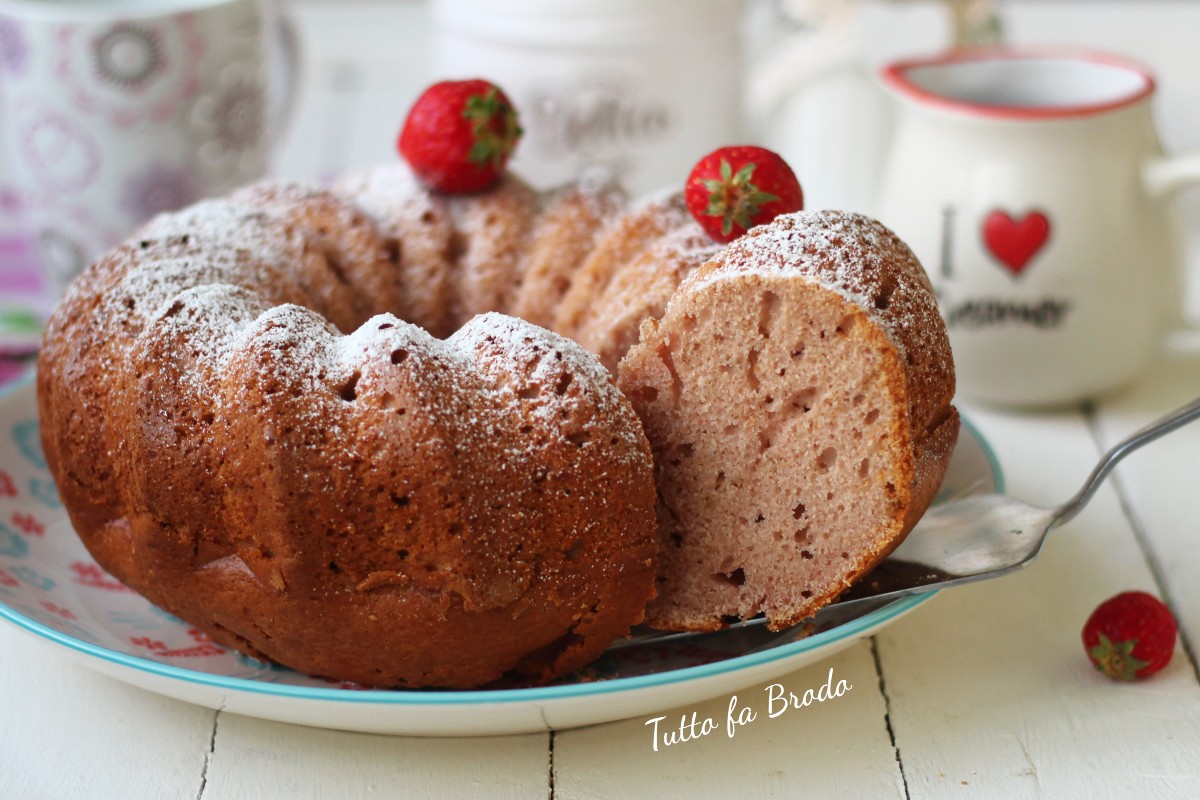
(1116, 660)
(744, 175)
(493, 126)
(733, 198)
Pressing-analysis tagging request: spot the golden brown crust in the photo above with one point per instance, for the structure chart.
(282, 242)
(640, 289)
(492, 229)
(420, 236)
(93, 327)
(413, 534)
(633, 234)
(567, 230)
(357, 255)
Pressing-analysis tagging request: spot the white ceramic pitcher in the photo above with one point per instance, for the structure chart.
(1032, 186)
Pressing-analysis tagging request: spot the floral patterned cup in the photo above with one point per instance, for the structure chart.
(114, 110)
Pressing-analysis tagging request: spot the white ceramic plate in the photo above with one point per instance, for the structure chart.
(51, 587)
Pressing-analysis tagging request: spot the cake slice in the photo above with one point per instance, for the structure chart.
(796, 394)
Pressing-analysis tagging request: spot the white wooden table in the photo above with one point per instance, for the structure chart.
(984, 692)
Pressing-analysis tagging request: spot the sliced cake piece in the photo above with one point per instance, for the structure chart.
(797, 396)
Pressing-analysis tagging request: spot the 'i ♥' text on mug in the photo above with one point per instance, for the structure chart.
(1031, 185)
(1012, 245)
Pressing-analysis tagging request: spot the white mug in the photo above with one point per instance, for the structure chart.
(1032, 186)
(633, 90)
(115, 110)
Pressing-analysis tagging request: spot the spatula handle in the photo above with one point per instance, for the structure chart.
(1160, 427)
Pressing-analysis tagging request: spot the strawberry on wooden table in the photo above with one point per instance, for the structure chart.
(1130, 636)
(458, 136)
(732, 189)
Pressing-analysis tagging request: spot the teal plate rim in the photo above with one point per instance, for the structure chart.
(395, 697)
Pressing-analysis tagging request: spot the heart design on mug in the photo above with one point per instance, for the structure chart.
(1014, 243)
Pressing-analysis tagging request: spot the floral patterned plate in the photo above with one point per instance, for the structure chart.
(51, 587)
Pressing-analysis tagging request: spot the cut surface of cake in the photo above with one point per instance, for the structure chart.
(797, 396)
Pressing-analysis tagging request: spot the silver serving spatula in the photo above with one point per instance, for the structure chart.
(973, 539)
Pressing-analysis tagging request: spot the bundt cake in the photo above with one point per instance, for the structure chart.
(382, 507)
(242, 431)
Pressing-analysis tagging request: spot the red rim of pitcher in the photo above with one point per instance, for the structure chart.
(895, 77)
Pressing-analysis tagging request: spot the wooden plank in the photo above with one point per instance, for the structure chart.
(70, 732)
(990, 691)
(838, 748)
(1162, 482)
(257, 758)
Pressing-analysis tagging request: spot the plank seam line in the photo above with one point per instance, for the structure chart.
(887, 715)
(208, 755)
(1143, 541)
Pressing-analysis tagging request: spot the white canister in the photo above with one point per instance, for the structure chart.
(635, 90)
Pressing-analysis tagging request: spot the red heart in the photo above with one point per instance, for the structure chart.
(1015, 243)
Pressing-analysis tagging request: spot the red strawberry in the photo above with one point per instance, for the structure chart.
(1130, 636)
(459, 134)
(732, 189)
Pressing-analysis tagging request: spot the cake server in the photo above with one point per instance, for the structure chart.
(972, 539)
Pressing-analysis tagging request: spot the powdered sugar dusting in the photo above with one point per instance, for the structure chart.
(849, 253)
(277, 191)
(221, 221)
(866, 263)
(386, 192)
(498, 342)
(421, 229)
(200, 322)
(682, 237)
(686, 241)
(225, 309)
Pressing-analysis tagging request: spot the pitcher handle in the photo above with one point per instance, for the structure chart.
(1163, 176)
(1166, 175)
(788, 69)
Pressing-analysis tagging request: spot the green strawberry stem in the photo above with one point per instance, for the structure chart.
(494, 126)
(1117, 660)
(734, 198)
